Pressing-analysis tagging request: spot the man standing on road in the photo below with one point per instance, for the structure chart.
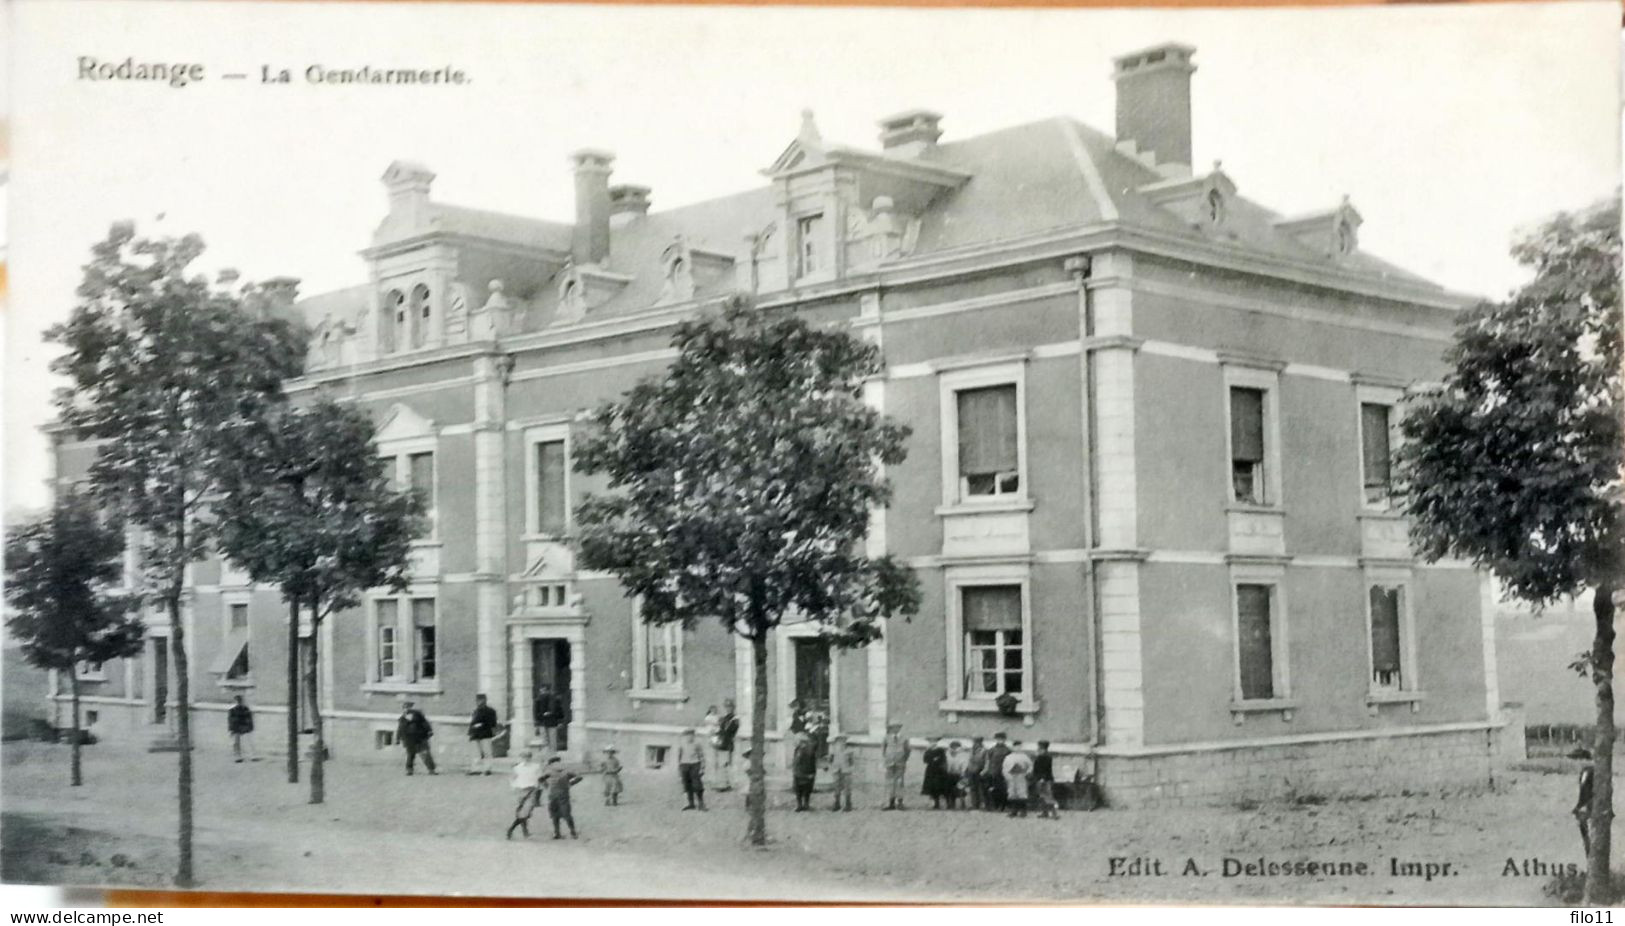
(975, 765)
(691, 770)
(240, 724)
(727, 732)
(894, 755)
(481, 727)
(413, 732)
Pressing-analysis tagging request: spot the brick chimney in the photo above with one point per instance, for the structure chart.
(910, 134)
(627, 202)
(1154, 101)
(589, 244)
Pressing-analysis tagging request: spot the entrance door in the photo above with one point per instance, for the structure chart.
(812, 674)
(160, 679)
(550, 686)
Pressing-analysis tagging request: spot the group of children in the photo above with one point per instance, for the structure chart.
(533, 779)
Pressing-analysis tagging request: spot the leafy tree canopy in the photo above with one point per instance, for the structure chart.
(158, 359)
(1514, 462)
(744, 480)
(307, 503)
(62, 576)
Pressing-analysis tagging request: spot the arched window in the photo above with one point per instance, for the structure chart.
(422, 314)
(393, 321)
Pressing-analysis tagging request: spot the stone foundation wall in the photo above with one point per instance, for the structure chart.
(1331, 767)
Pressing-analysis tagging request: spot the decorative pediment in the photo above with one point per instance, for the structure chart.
(1333, 233)
(404, 424)
(806, 151)
(1204, 201)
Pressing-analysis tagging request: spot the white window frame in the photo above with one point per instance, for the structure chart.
(405, 679)
(642, 690)
(91, 672)
(227, 603)
(958, 578)
(534, 438)
(399, 453)
(820, 242)
(1377, 395)
(1267, 379)
(951, 382)
(1272, 577)
(1410, 688)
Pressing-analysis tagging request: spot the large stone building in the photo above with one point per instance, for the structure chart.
(1146, 495)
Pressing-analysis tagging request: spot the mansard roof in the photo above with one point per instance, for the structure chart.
(1013, 183)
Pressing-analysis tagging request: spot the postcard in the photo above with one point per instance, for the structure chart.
(813, 453)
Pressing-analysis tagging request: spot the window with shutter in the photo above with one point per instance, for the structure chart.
(995, 648)
(425, 643)
(989, 456)
(1247, 444)
(1386, 661)
(386, 620)
(1376, 452)
(550, 495)
(1254, 646)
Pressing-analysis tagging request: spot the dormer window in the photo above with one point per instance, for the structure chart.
(1214, 212)
(809, 244)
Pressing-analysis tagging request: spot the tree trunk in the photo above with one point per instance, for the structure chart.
(293, 692)
(318, 746)
(1599, 890)
(756, 797)
(73, 686)
(183, 734)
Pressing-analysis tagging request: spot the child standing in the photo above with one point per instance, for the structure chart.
(804, 770)
(527, 777)
(612, 777)
(1017, 769)
(842, 762)
(1044, 782)
(558, 782)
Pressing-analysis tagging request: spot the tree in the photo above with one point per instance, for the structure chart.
(308, 505)
(744, 481)
(60, 573)
(1514, 461)
(159, 361)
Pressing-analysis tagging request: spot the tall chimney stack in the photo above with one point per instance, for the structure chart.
(1154, 101)
(589, 244)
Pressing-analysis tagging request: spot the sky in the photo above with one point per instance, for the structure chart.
(1450, 128)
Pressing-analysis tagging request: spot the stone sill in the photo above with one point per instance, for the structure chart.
(998, 506)
(1385, 513)
(657, 694)
(235, 682)
(1376, 699)
(543, 538)
(1248, 508)
(956, 706)
(418, 688)
(1240, 709)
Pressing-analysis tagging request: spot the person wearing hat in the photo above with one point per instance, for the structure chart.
(804, 769)
(527, 781)
(558, 781)
(993, 793)
(975, 767)
(843, 762)
(482, 726)
(1018, 768)
(612, 776)
(935, 784)
(1582, 806)
(412, 731)
(1044, 782)
(894, 756)
(691, 770)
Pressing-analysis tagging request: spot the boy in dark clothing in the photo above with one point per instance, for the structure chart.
(413, 731)
(993, 794)
(240, 724)
(1044, 782)
(804, 770)
(558, 782)
(482, 726)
